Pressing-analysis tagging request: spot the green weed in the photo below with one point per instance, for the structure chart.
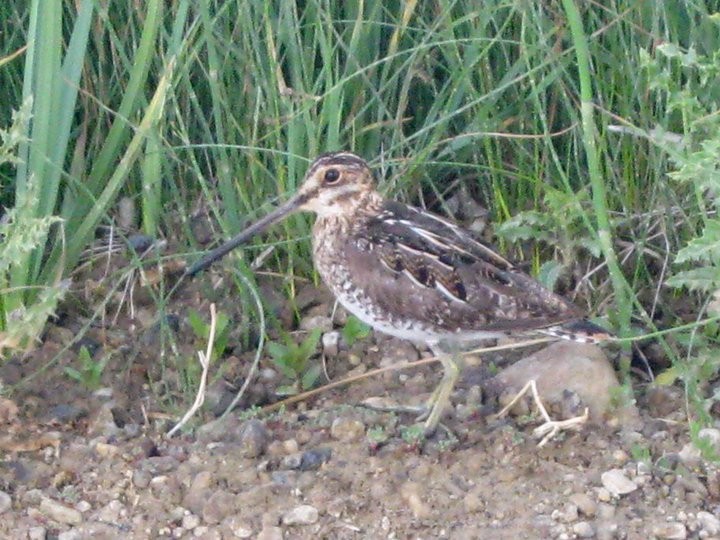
(293, 361)
(354, 329)
(90, 372)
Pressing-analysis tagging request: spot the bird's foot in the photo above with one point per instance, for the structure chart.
(550, 427)
(426, 415)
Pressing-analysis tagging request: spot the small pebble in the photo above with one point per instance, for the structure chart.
(301, 515)
(104, 450)
(37, 533)
(606, 511)
(670, 531)
(307, 461)
(111, 512)
(584, 503)
(690, 456)
(220, 505)
(253, 438)
(5, 502)
(190, 521)
(617, 483)
(331, 343)
(709, 523)
(157, 465)
(347, 429)
(59, 512)
(238, 527)
(603, 495)
(621, 457)
(270, 533)
(290, 446)
(83, 506)
(141, 479)
(583, 529)
(322, 322)
(569, 513)
(607, 531)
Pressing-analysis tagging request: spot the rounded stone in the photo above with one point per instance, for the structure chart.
(190, 521)
(583, 529)
(60, 513)
(670, 531)
(347, 429)
(584, 503)
(253, 438)
(220, 505)
(709, 523)
(617, 483)
(301, 515)
(5, 502)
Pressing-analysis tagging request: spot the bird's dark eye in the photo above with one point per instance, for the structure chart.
(332, 176)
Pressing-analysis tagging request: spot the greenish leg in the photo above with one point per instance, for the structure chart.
(440, 397)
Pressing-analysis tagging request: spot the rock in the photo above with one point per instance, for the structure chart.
(568, 514)
(671, 530)
(663, 401)
(112, 512)
(5, 502)
(309, 460)
(301, 515)
(157, 465)
(270, 533)
(564, 368)
(37, 533)
(310, 323)
(690, 456)
(331, 343)
(166, 488)
(220, 505)
(393, 351)
(59, 512)
(617, 483)
(190, 521)
(237, 527)
(199, 491)
(583, 529)
(347, 429)
(584, 503)
(141, 479)
(709, 523)
(102, 423)
(64, 413)
(104, 450)
(253, 438)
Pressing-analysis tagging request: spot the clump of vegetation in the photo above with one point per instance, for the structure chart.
(20, 234)
(354, 330)
(90, 371)
(293, 361)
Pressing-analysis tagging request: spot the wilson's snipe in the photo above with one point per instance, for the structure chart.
(412, 274)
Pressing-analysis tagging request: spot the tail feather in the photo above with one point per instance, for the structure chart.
(580, 331)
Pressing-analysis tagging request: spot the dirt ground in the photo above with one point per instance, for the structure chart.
(91, 459)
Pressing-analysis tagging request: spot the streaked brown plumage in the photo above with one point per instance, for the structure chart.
(412, 274)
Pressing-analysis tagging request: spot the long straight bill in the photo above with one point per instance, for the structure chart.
(253, 229)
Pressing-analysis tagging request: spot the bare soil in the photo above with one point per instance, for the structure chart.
(91, 460)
